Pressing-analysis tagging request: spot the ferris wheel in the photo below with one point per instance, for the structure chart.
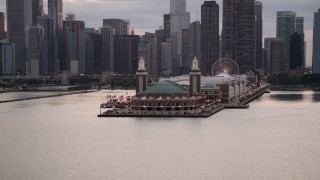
(225, 65)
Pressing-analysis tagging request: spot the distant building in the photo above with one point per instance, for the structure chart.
(166, 26)
(160, 39)
(74, 43)
(300, 30)
(185, 53)
(126, 53)
(121, 27)
(89, 36)
(16, 32)
(166, 55)
(107, 33)
(273, 55)
(209, 35)
(195, 42)
(179, 20)
(148, 49)
(48, 60)
(2, 27)
(55, 11)
(286, 26)
(296, 51)
(7, 59)
(258, 35)
(316, 43)
(238, 33)
(34, 44)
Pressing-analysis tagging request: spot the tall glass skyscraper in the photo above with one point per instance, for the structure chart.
(238, 33)
(179, 20)
(258, 35)
(55, 11)
(316, 43)
(16, 33)
(286, 26)
(210, 38)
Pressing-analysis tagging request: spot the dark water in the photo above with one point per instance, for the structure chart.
(61, 138)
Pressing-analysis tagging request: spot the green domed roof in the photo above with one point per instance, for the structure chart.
(166, 87)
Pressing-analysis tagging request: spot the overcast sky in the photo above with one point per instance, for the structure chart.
(147, 15)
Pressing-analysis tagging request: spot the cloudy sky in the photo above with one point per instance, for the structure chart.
(147, 15)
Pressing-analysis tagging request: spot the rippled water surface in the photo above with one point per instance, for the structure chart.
(61, 138)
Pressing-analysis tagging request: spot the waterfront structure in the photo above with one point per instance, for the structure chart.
(126, 53)
(141, 77)
(107, 33)
(2, 27)
(238, 33)
(74, 43)
(210, 39)
(48, 56)
(274, 55)
(149, 51)
(16, 32)
(286, 26)
(258, 29)
(7, 58)
(55, 11)
(195, 78)
(179, 20)
(296, 52)
(316, 43)
(34, 43)
(121, 26)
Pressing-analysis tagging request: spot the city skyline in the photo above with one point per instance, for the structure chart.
(147, 16)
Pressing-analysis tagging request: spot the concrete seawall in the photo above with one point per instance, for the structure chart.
(48, 96)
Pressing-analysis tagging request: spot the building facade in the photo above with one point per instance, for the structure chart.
(258, 31)
(286, 26)
(149, 51)
(89, 47)
(274, 54)
(238, 33)
(2, 27)
(7, 59)
(316, 43)
(16, 32)
(121, 27)
(107, 33)
(209, 36)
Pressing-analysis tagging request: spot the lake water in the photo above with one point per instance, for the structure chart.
(278, 137)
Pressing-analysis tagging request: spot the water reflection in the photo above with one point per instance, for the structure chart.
(287, 97)
(316, 97)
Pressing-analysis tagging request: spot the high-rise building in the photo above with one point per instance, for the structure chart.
(274, 54)
(34, 43)
(149, 51)
(16, 32)
(258, 27)
(108, 48)
(296, 51)
(160, 39)
(55, 11)
(121, 27)
(166, 55)
(209, 36)
(89, 47)
(99, 64)
(126, 53)
(185, 54)
(300, 31)
(195, 41)
(166, 26)
(316, 43)
(238, 33)
(32, 9)
(286, 26)
(179, 20)
(7, 59)
(74, 46)
(2, 27)
(48, 57)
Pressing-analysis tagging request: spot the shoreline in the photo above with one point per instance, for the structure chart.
(274, 88)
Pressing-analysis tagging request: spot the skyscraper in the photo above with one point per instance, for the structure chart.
(32, 9)
(74, 44)
(2, 29)
(48, 57)
(300, 31)
(108, 48)
(89, 34)
(16, 33)
(166, 26)
(7, 59)
(55, 11)
(316, 43)
(286, 26)
(258, 35)
(121, 27)
(296, 51)
(274, 55)
(149, 51)
(209, 36)
(238, 33)
(179, 20)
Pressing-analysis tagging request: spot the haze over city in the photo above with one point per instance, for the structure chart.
(147, 16)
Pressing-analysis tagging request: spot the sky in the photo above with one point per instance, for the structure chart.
(147, 15)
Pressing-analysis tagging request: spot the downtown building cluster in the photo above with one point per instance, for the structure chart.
(46, 44)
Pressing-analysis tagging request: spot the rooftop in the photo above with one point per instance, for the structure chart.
(166, 87)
